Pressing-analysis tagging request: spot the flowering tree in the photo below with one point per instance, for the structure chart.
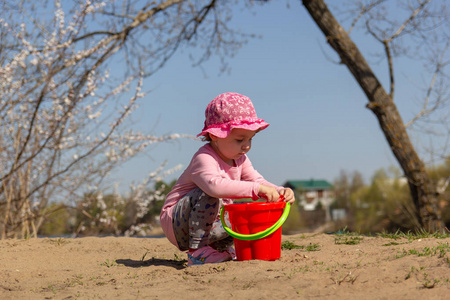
(133, 214)
(63, 108)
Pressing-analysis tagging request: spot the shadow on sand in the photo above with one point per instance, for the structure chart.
(177, 264)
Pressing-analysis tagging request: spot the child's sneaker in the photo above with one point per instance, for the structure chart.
(207, 255)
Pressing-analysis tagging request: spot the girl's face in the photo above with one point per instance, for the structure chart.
(236, 144)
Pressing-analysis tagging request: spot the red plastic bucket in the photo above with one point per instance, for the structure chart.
(251, 218)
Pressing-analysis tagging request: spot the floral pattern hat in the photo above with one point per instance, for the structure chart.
(228, 111)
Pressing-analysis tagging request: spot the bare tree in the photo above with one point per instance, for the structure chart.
(63, 108)
(425, 24)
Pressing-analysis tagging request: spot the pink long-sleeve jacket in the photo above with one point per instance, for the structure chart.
(217, 179)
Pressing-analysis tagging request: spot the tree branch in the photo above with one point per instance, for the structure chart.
(362, 12)
(390, 66)
(403, 26)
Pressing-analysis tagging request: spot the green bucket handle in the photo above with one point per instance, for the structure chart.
(258, 235)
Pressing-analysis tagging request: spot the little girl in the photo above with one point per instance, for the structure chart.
(219, 172)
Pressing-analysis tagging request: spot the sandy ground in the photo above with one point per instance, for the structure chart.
(151, 268)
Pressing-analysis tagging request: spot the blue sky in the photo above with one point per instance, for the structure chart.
(319, 123)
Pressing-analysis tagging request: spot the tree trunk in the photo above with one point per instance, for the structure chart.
(382, 105)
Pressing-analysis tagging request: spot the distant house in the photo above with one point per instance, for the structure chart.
(314, 196)
(312, 192)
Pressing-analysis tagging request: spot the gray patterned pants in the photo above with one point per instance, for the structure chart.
(196, 222)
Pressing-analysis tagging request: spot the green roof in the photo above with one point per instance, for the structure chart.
(311, 184)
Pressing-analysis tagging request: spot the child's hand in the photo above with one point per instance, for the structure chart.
(268, 192)
(288, 195)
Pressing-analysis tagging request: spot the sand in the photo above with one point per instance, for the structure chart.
(151, 268)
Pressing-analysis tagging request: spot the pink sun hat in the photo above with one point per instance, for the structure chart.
(228, 111)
